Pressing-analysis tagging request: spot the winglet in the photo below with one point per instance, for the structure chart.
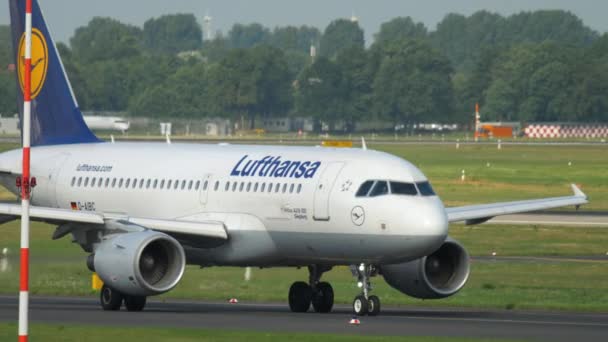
(363, 144)
(578, 192)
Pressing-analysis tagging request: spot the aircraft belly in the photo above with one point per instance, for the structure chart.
(275, 248)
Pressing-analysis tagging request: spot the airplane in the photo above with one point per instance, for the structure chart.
(107, 123)
(143, 211)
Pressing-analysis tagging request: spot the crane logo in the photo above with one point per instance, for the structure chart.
(357, 215)
(40, 62)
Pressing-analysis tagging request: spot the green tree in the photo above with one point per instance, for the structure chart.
(245, 36)
(462, 39)
(400, 28)
(533, 83)
(6, 47)
(548, 26)
(413, 83)
(105, 39)
(341, 34)
(8, 93)
(501, 102)
(216, 49)
(173, 33)
(320, 92)
(291, 38)
(75, 74)
(8, 83)
(357, 78)
(185, 94)
(250, 83)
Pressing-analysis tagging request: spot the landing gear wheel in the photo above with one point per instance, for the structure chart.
(135, 303)
(323, 298)
(373, 306)
(300, 296)
(360, 305)
(110, 299)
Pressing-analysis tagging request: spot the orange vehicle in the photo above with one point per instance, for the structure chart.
(491, 131)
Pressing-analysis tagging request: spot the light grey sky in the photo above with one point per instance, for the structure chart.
(64, 16)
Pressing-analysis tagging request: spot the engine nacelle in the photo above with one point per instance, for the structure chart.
(140, 263)
(435, 276)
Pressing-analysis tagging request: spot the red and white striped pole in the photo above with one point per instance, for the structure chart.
(25, 179)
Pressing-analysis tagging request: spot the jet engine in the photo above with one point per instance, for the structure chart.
(139, 263)
(435, 276)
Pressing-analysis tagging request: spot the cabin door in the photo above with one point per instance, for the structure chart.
(323, 191)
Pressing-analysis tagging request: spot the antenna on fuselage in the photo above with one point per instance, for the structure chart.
(363, 144)
(112, 138)
(168, 139)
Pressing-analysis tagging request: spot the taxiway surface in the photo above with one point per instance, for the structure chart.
(403, 321)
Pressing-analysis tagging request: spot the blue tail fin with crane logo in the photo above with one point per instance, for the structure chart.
(56, 118)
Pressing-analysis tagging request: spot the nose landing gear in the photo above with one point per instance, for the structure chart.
(364, 304)
(319, 294)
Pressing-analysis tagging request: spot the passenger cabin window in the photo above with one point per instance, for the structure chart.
(399, 188)
(425, 189)
(379, 189)
(364, 188)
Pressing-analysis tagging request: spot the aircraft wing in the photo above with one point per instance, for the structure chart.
(476, 214)
(209, 229)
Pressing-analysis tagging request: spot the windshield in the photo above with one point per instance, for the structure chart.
(380, 188)
(375, 188)
(364, 188)
(398, 188)
(425, 189)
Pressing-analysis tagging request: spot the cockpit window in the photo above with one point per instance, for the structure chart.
(425, 189)
(364, 188)
(380, 188)
(398, 188)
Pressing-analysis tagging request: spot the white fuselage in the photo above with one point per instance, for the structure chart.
(280, 205)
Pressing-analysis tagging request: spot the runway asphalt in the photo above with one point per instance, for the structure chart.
(405, 321)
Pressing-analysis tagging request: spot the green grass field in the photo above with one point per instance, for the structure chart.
(71, 333)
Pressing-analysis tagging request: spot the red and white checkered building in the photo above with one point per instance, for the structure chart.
(566, 130)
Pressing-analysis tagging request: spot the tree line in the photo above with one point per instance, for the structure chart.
(531, 66)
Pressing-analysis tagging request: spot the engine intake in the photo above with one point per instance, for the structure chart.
(435, 276)
(140, 263)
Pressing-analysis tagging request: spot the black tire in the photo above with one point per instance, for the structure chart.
(110, 299)
(373, 306)
(300, 296)
(323, 298)
(360, 305)
(135, 303)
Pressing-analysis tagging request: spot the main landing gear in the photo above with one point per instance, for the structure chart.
(319, 294)
(111, 300)
(364, 304)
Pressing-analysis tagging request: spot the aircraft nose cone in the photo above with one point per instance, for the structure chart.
(435, 220)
